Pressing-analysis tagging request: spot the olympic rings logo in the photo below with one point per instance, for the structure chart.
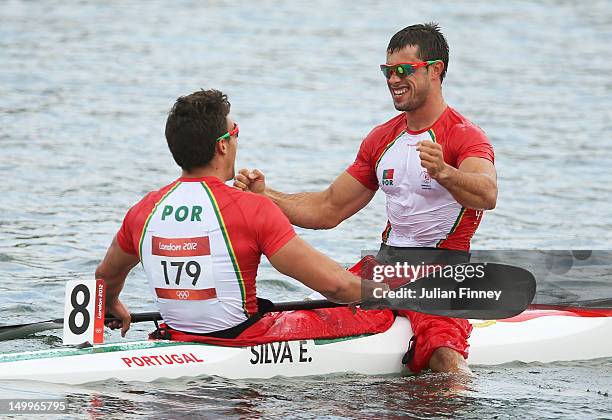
(182, 294)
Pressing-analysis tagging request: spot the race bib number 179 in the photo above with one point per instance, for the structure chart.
(182, 268)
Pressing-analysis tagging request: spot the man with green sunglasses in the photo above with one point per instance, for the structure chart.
(436, 170)
(404, 69)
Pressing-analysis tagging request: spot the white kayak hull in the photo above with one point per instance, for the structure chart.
(544, 338)
(541, 339)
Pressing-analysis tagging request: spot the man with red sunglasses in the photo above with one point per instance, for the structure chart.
(200, 241)
(436, 170)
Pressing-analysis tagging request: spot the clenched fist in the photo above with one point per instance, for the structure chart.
(432, 159)
(253, 181)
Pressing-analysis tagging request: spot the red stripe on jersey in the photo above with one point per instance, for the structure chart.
(186, 294)
(181, 247)
(385, 234)
(461, 235)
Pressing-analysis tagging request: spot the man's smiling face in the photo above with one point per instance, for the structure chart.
(410, 92)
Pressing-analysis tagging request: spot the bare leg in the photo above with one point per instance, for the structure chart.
(447, 360)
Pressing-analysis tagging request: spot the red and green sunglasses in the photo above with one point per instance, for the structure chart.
(233, 133)
(404, 69)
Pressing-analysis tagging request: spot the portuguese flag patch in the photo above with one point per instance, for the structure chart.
(387, 176)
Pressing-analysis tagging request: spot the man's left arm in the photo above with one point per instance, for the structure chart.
(113, 270)
(473, 184)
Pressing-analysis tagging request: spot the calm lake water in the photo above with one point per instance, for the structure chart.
(85, 88)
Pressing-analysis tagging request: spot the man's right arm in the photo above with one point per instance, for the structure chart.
(113, 269)
(301, 261)
(313, 210)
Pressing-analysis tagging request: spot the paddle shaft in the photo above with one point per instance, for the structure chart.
(513, 281)
(322, 304)
(20, 331)
(276, 307)
(11, 332)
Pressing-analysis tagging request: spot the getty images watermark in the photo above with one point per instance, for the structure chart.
(410, 272)
(485, 283)
(444, 283)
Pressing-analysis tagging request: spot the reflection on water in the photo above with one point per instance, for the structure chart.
(513, 390)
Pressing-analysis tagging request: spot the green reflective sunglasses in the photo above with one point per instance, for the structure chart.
(233, 133)
(404, 69)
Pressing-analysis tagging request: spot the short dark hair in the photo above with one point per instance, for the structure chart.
(428, 38)
(193, 126)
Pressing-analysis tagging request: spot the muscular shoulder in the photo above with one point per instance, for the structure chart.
(387, 131)
(465, 139)
(247, 201)
(363, 168)
(456, 125)
(381, 135)
(135, 219)
(258, 215)
(246, 209)
(143, 207)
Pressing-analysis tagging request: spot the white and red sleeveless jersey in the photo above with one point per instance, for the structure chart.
(420, 211)
(200, 243)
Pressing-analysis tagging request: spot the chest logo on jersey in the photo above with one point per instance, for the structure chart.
(387, 176)
(425, 180)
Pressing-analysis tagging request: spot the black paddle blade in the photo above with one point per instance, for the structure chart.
(11, 332)
(492, 291)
